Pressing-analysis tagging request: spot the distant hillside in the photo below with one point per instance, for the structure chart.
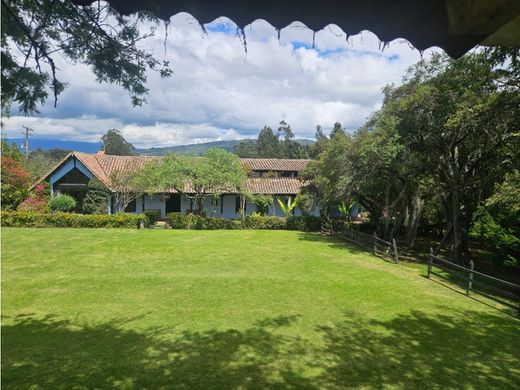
(47, 144)
(93, 147)
(199, 149)
(196, 149)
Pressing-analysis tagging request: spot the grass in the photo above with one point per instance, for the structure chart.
(236, 309)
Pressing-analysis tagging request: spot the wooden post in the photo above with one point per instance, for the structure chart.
(396, 256)
(375, 242)
(470, 277)
(430, 262)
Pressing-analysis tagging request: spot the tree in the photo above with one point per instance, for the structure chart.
(96, 198)
(216, 172)
(127, 187)
(115, 144)
(15, 178)
(267, 144)
(337, 129)
(35, 33)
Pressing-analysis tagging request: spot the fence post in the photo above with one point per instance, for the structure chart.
(430, 262)
(396, 256)
(470, 277)
(375, 243)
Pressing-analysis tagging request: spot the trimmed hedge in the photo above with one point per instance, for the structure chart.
(69, 220)
(197, 222)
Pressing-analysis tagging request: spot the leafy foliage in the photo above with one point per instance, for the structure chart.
(69, 220)
(287, 208)
(195, 177)
(262, 203)
(62, 203)
(38, 201)
(96, 198)
(115, 144)
(15, 178)
(35, 33)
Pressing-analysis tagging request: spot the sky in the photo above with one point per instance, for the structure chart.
(220, 91)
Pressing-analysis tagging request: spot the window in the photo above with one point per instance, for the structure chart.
(214, 201)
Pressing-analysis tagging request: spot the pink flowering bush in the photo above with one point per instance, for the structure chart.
(38, 201)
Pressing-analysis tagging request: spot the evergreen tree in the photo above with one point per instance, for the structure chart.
(96, 199)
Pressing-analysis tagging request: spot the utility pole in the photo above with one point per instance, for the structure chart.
(27, 134)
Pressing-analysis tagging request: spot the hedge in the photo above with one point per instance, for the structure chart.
(152, 215)
(197, 222)
(69, 220)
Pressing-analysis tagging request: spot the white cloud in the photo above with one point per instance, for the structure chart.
(218, 91)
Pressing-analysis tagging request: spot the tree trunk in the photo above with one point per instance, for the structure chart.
(415, 216)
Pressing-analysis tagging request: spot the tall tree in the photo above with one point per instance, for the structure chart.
(267, 144)
(115, 144)
(36, 32)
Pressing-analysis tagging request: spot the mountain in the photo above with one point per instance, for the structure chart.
(93, 147)
(46, 144)
(196, 149)
(199, 149)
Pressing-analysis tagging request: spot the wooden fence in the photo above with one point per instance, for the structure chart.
(369, 242)
(499, 290)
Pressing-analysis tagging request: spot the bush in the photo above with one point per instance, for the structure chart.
(256, 221)
(96, 199)
(263, 222)
(69, 220)
(62, 203)
(152, 215)
(262, 203)
(38, 202)
(199, 222)
(305, 223)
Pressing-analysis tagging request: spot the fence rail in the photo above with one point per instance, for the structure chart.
(490, 287)
(369, 242)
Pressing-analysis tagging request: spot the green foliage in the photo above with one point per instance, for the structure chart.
(96, 198)
(304, 223)
(68, 220)
(501, 242)
(199, 222)
(262, 203)
(254, 221)
(115, 144)
(41, 161)
(268, 144)
(62, 203)
(96, 35)
(196, 177)
(152, 215)
(287, 208)
(264, 222)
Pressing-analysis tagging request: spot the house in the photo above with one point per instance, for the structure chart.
(276, 177)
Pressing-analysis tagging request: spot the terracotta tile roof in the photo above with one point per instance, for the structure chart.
(104, 166)
(274, 164)
(274, 185)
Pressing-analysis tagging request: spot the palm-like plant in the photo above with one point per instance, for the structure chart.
(287, 208)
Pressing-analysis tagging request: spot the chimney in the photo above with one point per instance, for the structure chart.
(100, 153)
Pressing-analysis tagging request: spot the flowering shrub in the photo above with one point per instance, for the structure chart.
(38, 202)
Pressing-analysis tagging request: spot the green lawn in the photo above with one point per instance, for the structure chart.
(236, 309)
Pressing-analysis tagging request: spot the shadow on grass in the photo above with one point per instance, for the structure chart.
(334, 242)
(415, 350)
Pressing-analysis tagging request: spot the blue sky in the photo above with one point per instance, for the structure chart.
(219, 91)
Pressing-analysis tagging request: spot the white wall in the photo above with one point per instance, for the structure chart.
(157, 202)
